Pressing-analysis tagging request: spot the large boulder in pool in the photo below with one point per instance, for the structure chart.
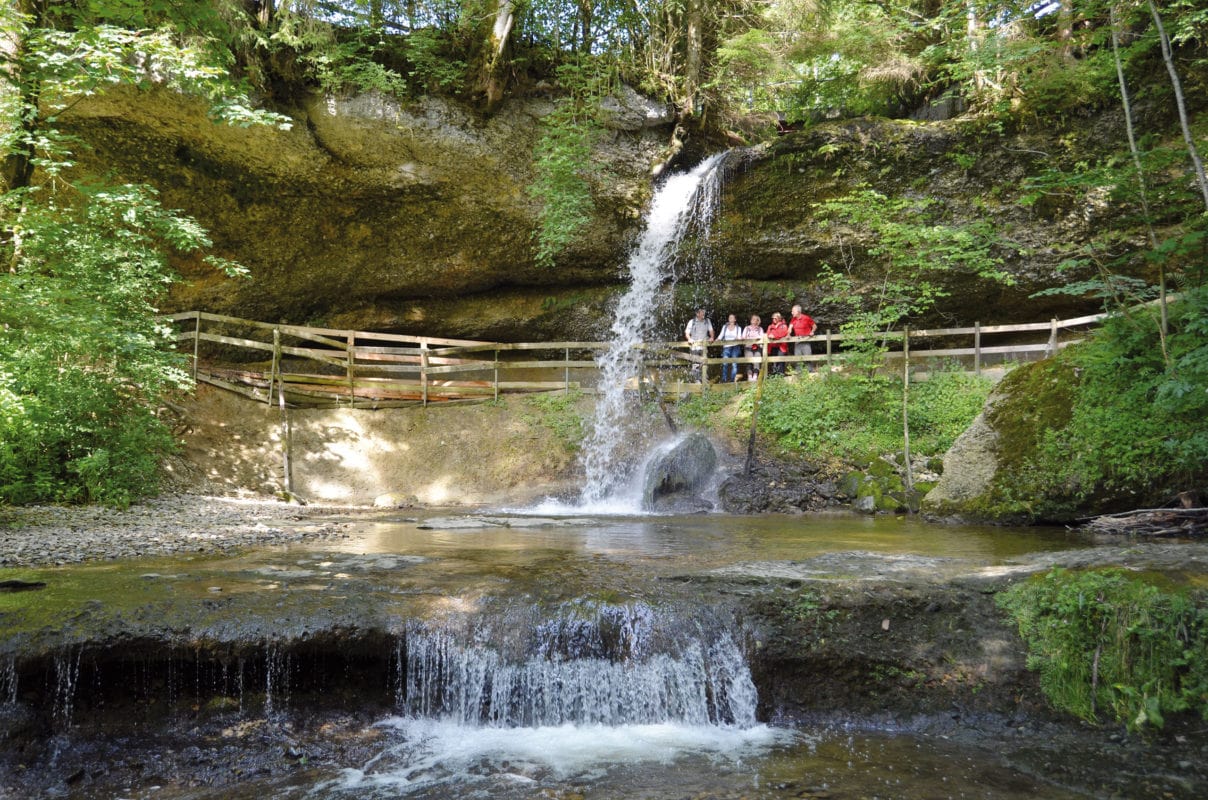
(676, 476)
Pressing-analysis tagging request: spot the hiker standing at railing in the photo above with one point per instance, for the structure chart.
(698, 332)
(801, 324)
(730, 333)
(754, 331)
(778, 330)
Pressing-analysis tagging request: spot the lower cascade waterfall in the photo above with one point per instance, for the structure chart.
(611, 668)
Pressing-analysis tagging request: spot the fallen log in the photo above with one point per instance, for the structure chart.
(1154, 522)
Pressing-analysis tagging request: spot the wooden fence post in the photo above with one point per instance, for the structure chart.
(352, 346)
(196, 343)
(275, 370)
(977, 347)
(496, 375)
(423, 370)
(566, 374)
(1052, 337)
(287, 472)
(828, 349)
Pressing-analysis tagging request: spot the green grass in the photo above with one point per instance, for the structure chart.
(559, 413)
(849, 419)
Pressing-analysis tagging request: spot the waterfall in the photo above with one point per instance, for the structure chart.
(682, 202)
(611, 665)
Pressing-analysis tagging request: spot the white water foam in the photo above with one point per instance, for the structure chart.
(435, 752)
(625, 499)
(682, 201)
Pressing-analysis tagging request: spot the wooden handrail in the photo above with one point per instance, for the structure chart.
(379, 369)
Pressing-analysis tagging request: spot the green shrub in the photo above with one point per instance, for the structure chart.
(698, 410)
(1109, 644)
(85, 361)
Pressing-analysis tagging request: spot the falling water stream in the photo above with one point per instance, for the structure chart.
(685, 201)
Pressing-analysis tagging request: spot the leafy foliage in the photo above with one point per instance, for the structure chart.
(919, 249)
(1109, 644)
(563, 158)
(849, 418)
(84, 362)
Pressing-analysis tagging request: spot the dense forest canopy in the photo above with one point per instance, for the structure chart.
(84, 258)
(795, 57)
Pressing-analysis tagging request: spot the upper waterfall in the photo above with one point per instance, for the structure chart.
(684, 201)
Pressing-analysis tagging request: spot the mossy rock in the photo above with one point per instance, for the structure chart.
(882, 468)
(892, 503)
(850, 485)
(988, 468)
(875, 494)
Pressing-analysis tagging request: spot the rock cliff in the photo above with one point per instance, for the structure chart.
(371, 213)
(413, 216)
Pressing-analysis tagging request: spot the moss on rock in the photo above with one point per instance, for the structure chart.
(990, 474)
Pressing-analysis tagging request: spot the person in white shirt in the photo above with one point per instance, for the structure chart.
(698, 332)
(754, 331)
(730, 332)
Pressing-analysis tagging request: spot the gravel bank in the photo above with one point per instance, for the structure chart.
(57, 535)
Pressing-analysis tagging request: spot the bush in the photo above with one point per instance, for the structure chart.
(851, 418)
(85, 361)
(1106, 643)
(559, 412)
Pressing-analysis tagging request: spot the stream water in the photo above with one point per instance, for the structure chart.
(630, 682)
(539, 657)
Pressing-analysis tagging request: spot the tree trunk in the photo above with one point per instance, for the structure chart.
(973, 38)
(586, 18)
(17, 168)
(494, 79)
(1163, 325)
(693, 49)
(1168, 57)
(1065, 27)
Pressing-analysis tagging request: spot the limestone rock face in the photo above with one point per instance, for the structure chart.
(414, 216)
(373, 213)
(992, 472)
(774, 244)
(969, 469)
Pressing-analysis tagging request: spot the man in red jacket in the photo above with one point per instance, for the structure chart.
(779, 329)
(802, 325)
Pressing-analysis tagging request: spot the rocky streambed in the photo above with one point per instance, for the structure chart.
(39, 536)
(271, 672)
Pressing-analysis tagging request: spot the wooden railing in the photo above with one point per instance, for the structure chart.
(313, 366)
